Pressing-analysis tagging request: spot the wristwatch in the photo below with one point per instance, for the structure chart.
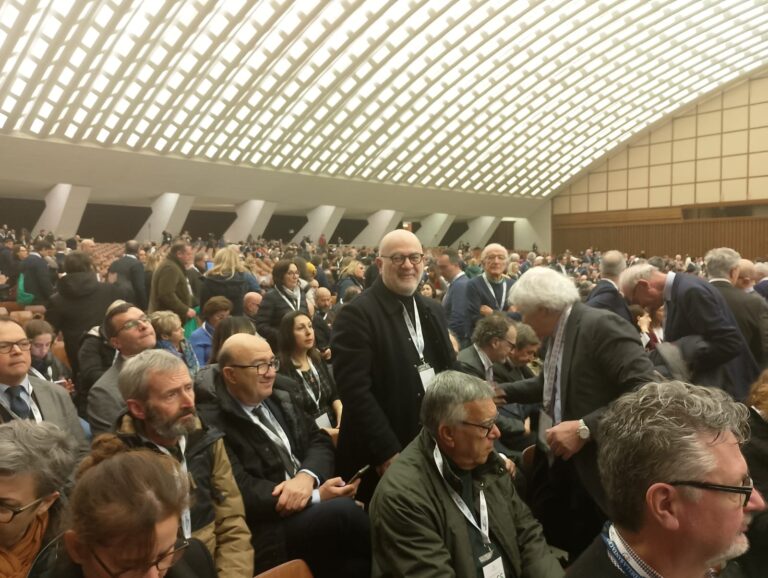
(583, 430)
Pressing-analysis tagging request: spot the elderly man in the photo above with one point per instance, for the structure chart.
(447, 506)
(593, 356)
(387, 346)
(699, 323)
(750, 311)
(747, 276)
(251, 304)
(170, 286)
(488, 292)
(161, 416)
(283, 465)
(129, 331)
(678, 488)
(606, 293)
(761, 279)
(24, 396)
(455, 300)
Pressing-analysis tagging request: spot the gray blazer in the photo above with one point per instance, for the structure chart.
(105, 404)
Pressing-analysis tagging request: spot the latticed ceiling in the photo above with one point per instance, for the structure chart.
(493, 97)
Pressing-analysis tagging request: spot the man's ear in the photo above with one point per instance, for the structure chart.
(76, 550)
(445, 436)
(136, 408)
(664, 505)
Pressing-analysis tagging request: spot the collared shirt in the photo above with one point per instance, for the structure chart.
(668, 286)
(26, 395)
(713, 279)
(487, 364)
(553, 368)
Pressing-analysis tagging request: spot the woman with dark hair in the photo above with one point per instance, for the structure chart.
(124, 520)
(80, 303)
(301, 361)
(205, 379)
(215, 311)
(286, 296)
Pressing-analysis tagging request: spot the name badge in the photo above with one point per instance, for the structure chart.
(426, 373)
(494, 570)
(323, 421)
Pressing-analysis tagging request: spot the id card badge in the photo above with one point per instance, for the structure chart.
(494, 569)
(323, 421)
(426, 373)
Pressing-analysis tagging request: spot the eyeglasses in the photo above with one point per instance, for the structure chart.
(484, 426)
(7, 346)
(293, 273)
(7, 513)
(745, 490)
(163, 563)
(262, 369)
(397, 259)
(133, 323)
(512, 344)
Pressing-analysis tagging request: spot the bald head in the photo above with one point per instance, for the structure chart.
(248, 368)
(747, 275)
(396, 238)
(402, 278)
(612, 265)
(323, 298)
(251, 303)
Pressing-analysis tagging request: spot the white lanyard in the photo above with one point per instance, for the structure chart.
(483, 527)
(30, 402)
(186, 516)
(503, 291)
(289, 302)
(308, 386)
(280, 438)
(417, 337)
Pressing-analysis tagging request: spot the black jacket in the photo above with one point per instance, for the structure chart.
(606, 296)
(37, 278)
(233, 288)
(130, 272)
(751, 314)
(273, 309)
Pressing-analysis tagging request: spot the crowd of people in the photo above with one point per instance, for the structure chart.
(195, 408)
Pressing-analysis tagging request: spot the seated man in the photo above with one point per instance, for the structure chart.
(157, 389)
(678, 489)
(283, 465)
(446, 506)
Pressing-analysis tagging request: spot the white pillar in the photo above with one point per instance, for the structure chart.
(379, 224)
(252, 218)
(537, 228)
(480, 230)
(321, 220)
(434, 228)
(64, 208)
(169, 212)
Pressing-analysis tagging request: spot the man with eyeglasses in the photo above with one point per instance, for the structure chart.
(489, 292)
(24, 396)
(447, 507)
(284, 464)
(677, 485)
(387, 346)
(129, 331)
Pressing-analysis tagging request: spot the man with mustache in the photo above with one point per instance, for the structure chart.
(161, 416)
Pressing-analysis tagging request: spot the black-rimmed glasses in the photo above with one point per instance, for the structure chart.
(163, 563)
(484, 426)
(262, 369)
(22, 344)
(398, 259)
(7, 513)
(745, 490)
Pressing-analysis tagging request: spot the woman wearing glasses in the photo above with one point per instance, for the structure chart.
(35, 462)
(124, 520)
(285, 297)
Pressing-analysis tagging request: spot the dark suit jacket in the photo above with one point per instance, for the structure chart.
(37, 278)
(700, 323)
(602, 359)
(130, 271)
(606, 296)
(594, 563)
(470, 362)
(751, 313)
(478, 294)
(761, 288)
(375, 367)
(455, 304)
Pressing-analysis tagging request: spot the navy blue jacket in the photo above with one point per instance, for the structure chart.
(455, 305)
(478, 294)
(606, 296)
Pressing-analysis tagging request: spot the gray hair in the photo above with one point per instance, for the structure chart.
(761, 270)
(495, 325)
(135, 373)
(543, 288)
(526, 336)
(654, 435)
(487, 248)
(40, 449)
(630, 277)
(612, 264)
(720, 262)
(446, 395)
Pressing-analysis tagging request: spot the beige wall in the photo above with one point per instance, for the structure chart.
(713, 152)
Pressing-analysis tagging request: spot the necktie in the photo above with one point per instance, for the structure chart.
(18, 405)
(282, 451)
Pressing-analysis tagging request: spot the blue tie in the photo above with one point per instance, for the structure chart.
(18, 405)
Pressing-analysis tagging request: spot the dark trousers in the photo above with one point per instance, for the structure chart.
(333, 538)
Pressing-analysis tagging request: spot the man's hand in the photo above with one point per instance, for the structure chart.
(564, 440)
(326, 354)
(336, 488)
(485, 311)
(191, 313)
(499, 397)
(294, 494)
(381, 468)
(510, 466)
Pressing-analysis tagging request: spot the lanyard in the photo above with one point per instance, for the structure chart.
(289, 302)
(493, 294)
(417, 337)
(30, 400)
(483, 527)
(186, 516)
(308, 386)
(279, 438)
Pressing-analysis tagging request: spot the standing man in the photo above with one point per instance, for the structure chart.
(697, 322)
(606, 293)
(488, 292)
(387, 344)
(322, 321)
(158, 392)
(455, 300)
(37, 275)
(130, 271)
(170, 287)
